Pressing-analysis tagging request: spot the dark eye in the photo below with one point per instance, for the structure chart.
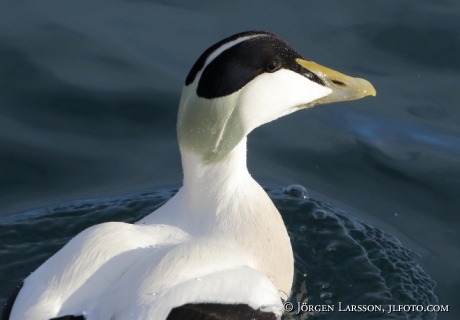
(273, 66)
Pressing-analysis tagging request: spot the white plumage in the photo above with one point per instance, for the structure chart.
(219, 239)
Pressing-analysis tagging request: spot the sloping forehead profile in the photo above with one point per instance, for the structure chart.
(232, 63)
(248, 54)
(215, 50)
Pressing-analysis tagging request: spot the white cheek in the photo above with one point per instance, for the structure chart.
(272, 95)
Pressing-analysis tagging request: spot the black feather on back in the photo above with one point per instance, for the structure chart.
(10, 302)
(69, 318)
(214, 311)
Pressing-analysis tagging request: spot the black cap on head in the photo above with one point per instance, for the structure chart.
(234, 67)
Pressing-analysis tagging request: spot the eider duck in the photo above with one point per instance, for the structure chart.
(219, 248)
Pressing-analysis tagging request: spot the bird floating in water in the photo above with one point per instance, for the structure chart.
(219, 247)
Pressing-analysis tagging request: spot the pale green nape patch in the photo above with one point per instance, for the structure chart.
(210, 128)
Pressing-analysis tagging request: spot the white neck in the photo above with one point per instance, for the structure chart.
(214, 183)
(222, 203)
(214, 195)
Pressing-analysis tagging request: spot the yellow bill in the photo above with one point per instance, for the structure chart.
(344, 88)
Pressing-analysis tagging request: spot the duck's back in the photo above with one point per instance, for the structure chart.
(84, 269)
(123, 271)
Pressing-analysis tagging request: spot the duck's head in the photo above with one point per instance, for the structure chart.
(247, 80)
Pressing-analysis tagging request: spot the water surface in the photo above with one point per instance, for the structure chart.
(89, 94)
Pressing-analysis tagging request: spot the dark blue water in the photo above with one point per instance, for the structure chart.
(339, 260)
(89, 94)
